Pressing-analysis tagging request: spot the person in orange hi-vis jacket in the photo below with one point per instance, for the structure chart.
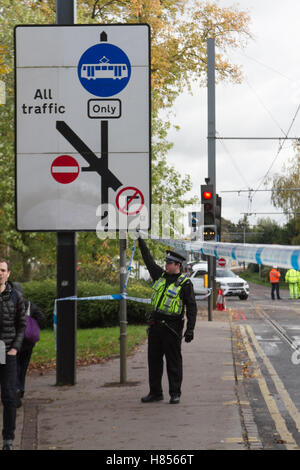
(274, 276)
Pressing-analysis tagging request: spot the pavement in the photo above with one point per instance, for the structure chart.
(98, 413)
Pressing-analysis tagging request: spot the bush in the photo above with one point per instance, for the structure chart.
(93, 313)
(253, 268)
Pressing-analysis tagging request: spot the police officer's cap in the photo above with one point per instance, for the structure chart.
(173, 257)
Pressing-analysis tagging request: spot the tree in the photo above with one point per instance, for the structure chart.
(289, 201)
(13, 12)
(178, 45)
(178, 57)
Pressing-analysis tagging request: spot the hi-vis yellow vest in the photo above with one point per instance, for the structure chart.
(168, 302)
(291, 276)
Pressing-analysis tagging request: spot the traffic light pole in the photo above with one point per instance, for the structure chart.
(211, 136)
(211, 110)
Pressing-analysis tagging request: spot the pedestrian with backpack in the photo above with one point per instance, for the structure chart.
(35, 320)
(12, 329)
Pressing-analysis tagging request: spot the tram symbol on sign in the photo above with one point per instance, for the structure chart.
(104, 70)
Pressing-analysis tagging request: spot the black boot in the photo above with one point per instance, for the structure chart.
(19, 401)
(174, 399)
(150, 398)
(7, 444)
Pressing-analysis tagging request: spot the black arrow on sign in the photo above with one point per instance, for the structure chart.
(99, 165)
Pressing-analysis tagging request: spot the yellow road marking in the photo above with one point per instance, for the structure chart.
(290, 406)
(231, 377)
(235, 402)
(280, 424)
(238, 440)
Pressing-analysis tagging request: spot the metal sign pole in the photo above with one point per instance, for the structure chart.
(66, 267)
(123, 309)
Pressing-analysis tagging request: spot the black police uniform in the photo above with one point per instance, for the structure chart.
(165, 332)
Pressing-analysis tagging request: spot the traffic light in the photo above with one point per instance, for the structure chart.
(208, 205)
(218, 211)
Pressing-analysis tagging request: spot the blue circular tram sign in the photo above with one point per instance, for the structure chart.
(104, 70)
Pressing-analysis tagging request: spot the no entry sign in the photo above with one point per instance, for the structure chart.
(221, 262)
(65, 169)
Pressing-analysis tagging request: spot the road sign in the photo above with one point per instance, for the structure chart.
(104, 70)
(82, 91)
(221, 262)
(65, 169)
(130, 201)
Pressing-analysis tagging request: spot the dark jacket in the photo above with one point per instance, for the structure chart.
(12, 319)
(186, 293)
(35, 313)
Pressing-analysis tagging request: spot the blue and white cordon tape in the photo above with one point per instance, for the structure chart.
(282, 256)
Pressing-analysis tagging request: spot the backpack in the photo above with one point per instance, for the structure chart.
(32, 331)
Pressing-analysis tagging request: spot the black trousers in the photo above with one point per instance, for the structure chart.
(8, 381)
(275, 288)
(23, 360)
(164, 342)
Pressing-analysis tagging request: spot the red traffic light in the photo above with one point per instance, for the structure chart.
(207, 195)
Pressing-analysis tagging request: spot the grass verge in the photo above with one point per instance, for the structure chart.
(94, 346)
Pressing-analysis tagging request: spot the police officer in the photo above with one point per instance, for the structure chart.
(172, 293)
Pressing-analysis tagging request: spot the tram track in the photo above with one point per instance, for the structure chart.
(277, 327)
(271, 367)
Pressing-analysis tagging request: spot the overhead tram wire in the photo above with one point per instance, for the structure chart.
(274, 160)
(238, 171)
(284, 138)
(266, 66)
(279, 150)
(265, 107)
(257, 190)
(234, 162)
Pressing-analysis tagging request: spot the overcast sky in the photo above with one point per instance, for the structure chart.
(263, 106)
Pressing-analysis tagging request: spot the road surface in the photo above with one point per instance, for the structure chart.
(267, 335)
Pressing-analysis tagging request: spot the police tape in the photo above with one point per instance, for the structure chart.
(96, 297)
(109, 297)
(204, 296)
(117, 297)
(130, 263)
(282, 256)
